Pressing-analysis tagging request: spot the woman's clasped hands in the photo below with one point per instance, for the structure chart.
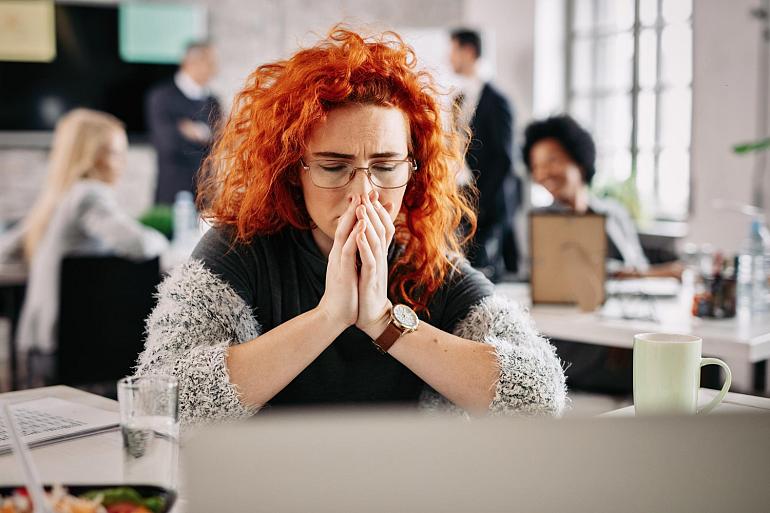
(358, 295)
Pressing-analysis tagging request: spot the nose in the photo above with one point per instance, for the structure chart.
(360, 185)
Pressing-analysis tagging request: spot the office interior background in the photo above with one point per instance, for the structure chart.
(667, 87)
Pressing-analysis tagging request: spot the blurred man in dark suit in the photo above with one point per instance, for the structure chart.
(182, 115)
(490, 118)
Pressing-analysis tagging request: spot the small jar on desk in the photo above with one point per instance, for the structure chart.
(716, 293)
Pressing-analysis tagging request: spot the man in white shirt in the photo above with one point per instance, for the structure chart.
(489, 159)
(182, 115)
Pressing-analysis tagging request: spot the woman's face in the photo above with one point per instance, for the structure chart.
(360, 135)
(554, 169)
(112, 161)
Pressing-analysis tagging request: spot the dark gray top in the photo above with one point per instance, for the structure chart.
(283, 275)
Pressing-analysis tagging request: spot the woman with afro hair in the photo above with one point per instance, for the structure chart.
(560, 155)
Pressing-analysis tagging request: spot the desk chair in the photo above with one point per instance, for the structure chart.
(103, 304)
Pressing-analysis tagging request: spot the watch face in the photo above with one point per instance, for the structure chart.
(405, 316)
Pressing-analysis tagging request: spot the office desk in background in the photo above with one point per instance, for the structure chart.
(743, 342)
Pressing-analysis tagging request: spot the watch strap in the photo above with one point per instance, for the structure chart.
(385, 341)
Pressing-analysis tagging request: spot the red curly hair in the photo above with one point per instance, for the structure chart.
(252, 174)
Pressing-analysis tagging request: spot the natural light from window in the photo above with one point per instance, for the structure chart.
(629, 81)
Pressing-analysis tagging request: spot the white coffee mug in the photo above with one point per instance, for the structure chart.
(667, 374)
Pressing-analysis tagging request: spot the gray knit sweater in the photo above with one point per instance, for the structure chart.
(199, 315)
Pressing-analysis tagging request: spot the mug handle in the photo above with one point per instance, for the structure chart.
(728, 381)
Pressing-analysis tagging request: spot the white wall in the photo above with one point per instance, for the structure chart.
(513, 24)
(725, 47)
(550, 78)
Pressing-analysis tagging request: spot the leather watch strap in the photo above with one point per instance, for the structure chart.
(385, 341)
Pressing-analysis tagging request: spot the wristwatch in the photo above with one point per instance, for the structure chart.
(402, 320)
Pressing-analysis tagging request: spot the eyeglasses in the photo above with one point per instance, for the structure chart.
(384, 174)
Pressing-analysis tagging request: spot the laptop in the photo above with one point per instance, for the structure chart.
(389, 461)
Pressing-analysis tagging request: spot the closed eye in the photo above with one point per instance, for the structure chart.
(334, 167)
(383, 167)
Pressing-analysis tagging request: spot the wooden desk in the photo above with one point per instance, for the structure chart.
(742, 342)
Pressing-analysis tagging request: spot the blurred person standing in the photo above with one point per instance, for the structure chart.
(490, 118)
(182, 115)
(76, 213)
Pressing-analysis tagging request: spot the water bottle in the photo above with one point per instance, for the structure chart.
(185, 219)
(752, 269)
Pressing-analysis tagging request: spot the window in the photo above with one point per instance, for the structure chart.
(629, 81)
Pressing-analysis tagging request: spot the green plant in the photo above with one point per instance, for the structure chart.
(624, 192)
(761, 145)
(160, 217)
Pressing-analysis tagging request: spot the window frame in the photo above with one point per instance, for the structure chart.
(659, 87)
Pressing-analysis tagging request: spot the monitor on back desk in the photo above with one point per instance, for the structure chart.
(387, 461)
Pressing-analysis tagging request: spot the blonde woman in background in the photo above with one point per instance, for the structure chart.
(75, 214)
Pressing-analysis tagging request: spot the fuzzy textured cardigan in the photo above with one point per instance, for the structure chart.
(199, 316)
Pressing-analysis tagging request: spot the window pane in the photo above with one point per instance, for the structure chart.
(612, 167)
(648, 12)
(614, 62)
(674, 177)
(583, 15)
(580, 109)
(612, 128)
(648, 59)
(581, 65)
(645, 179)
(675, 117)
(646, 121)
(603, 174)
(620, 163)
(602, 82)
(676, 10)
(614, 15)
(676, 48)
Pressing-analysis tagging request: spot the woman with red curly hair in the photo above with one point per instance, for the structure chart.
(334, 272)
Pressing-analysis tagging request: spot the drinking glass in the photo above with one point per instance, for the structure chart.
(149, 422)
